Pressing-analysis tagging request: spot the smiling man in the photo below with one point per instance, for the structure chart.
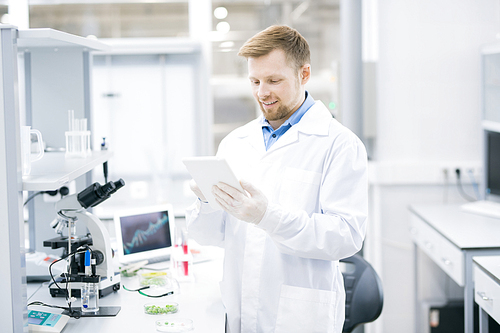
(277, 87)
(305, 204)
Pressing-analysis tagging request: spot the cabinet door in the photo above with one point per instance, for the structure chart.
(487, 293)
(439, 249)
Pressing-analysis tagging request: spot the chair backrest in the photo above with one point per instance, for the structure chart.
(364, 294)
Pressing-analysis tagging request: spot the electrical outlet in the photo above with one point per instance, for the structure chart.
(468, 173)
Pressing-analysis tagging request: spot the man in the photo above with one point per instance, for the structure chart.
(305, 206)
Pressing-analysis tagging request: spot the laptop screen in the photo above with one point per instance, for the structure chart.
(144, 233)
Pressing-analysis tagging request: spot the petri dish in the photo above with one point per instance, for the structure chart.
(159, 279)
(160, 308)
(174, 325)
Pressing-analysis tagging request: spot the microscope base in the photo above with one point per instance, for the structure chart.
(104, 311)
(105, 287)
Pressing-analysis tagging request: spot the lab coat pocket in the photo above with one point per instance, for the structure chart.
(299, 189)
(307, 310)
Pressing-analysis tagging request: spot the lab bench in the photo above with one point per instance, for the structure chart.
(451, 238)
(198, 301)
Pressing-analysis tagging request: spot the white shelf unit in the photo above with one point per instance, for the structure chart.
(54, 68)
(50, 38)
(55, 170)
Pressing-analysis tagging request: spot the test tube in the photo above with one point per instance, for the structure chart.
(81, 136)
(71, 119)
(69, 137)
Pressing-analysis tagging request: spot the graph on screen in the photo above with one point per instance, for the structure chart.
(147, 234)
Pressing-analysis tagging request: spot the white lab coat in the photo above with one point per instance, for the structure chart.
(282, 275)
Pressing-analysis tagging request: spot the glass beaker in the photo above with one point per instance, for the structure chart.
(26, 143)
(90, 297)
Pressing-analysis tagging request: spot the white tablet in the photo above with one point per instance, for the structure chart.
(207, 171)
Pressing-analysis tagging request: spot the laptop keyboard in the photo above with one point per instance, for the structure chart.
(158, 259)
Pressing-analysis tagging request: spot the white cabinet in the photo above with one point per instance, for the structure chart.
(487, 292)
(438, 248)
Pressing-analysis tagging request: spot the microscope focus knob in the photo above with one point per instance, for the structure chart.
(98, 256)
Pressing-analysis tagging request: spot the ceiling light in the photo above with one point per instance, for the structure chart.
(220, 13)
(223, 27)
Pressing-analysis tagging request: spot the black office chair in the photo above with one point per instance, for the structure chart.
(364, 294)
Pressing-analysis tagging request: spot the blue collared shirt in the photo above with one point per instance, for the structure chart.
(271, 135)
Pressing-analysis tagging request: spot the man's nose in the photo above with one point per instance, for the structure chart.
(263, 91)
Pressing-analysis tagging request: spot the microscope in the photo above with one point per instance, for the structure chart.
(70, 210)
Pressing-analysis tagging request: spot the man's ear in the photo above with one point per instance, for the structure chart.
(305, 74)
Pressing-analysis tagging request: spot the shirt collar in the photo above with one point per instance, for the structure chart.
(316, 121)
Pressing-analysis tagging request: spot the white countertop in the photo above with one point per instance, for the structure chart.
(465, 230)
(490, 265)
(199, 301)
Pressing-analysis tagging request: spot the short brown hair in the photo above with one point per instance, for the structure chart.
(278, 37)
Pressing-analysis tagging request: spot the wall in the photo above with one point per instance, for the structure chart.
(429, 77)
(428, 121)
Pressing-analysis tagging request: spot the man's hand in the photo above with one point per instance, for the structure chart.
(246, 208)
(194, 187)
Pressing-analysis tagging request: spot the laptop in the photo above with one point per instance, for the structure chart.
(145, 233)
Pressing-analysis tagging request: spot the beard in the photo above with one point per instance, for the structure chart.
(282, 112)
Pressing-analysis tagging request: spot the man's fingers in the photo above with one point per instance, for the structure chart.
(231, 191)
(225, 194)
(221, 202)
(246, 208)
(249, 188)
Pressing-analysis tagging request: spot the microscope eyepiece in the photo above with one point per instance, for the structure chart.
(95, 193)
(106, 189)
(118, 185)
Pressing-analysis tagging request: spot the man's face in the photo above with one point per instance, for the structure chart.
(276, 86)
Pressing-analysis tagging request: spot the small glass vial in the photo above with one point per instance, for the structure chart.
(181, 265)
(90, 297)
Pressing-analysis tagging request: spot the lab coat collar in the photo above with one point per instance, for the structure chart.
(316, 121)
